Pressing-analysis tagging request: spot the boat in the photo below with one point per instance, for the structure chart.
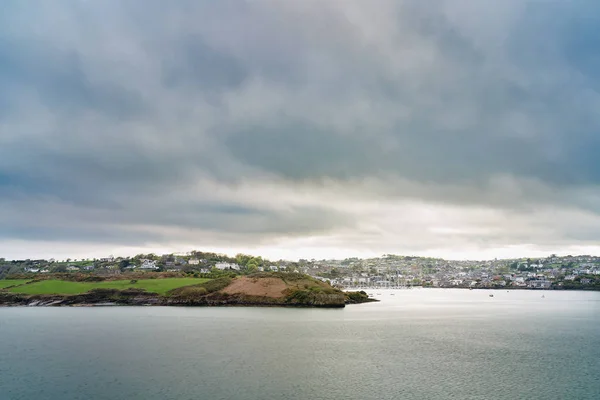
(543, 297)
(491, 295)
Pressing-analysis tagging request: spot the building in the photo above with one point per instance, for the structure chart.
(224, 265)
(539, 284)
(148, 265)
(194, 261)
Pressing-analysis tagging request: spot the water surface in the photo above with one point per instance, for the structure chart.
(415, 344)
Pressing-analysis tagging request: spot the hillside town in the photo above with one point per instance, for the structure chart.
(388, 271)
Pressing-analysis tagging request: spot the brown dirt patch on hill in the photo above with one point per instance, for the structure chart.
(267, 287)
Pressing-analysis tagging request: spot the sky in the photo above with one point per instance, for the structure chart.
(462, 129)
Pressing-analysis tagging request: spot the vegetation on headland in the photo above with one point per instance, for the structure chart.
(55, 286)
(263, 289)
(267, 289)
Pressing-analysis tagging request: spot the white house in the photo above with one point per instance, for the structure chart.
(194, 261)
(224, 265)
(148, 264)
(72, 268)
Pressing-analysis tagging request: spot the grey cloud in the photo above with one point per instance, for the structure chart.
(59, 79)
(193, 65)
(135, 219)
(115, 108)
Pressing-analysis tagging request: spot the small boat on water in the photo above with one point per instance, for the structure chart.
(543, 297)
(491, 295)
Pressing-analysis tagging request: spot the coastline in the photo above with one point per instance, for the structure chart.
(265, 290)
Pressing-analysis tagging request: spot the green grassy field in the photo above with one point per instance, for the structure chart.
(160, 286)
(4, 283)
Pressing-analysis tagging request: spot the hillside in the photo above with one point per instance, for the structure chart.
(260, 289)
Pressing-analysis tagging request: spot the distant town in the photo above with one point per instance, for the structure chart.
(388, 271)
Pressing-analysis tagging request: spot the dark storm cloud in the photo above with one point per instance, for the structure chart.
(125, 115)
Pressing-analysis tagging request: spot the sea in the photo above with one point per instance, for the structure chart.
(413, 344)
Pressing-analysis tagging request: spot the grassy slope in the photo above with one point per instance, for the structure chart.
(160, 286)
(12, 282)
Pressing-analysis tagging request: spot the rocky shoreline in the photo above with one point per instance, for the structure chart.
(136, 297)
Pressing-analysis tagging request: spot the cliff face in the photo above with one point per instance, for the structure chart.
(263, 289)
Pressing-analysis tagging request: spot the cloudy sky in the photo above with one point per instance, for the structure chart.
(300, 129)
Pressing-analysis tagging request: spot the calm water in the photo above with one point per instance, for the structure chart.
(416, 344)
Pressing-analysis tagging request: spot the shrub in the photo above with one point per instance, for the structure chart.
(216, 284)
(201, 289)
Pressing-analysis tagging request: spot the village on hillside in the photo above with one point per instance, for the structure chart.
(388, 271)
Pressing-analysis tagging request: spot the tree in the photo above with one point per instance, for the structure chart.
(123, 264)
(252, 267)
(60, 268)
(242, 259)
